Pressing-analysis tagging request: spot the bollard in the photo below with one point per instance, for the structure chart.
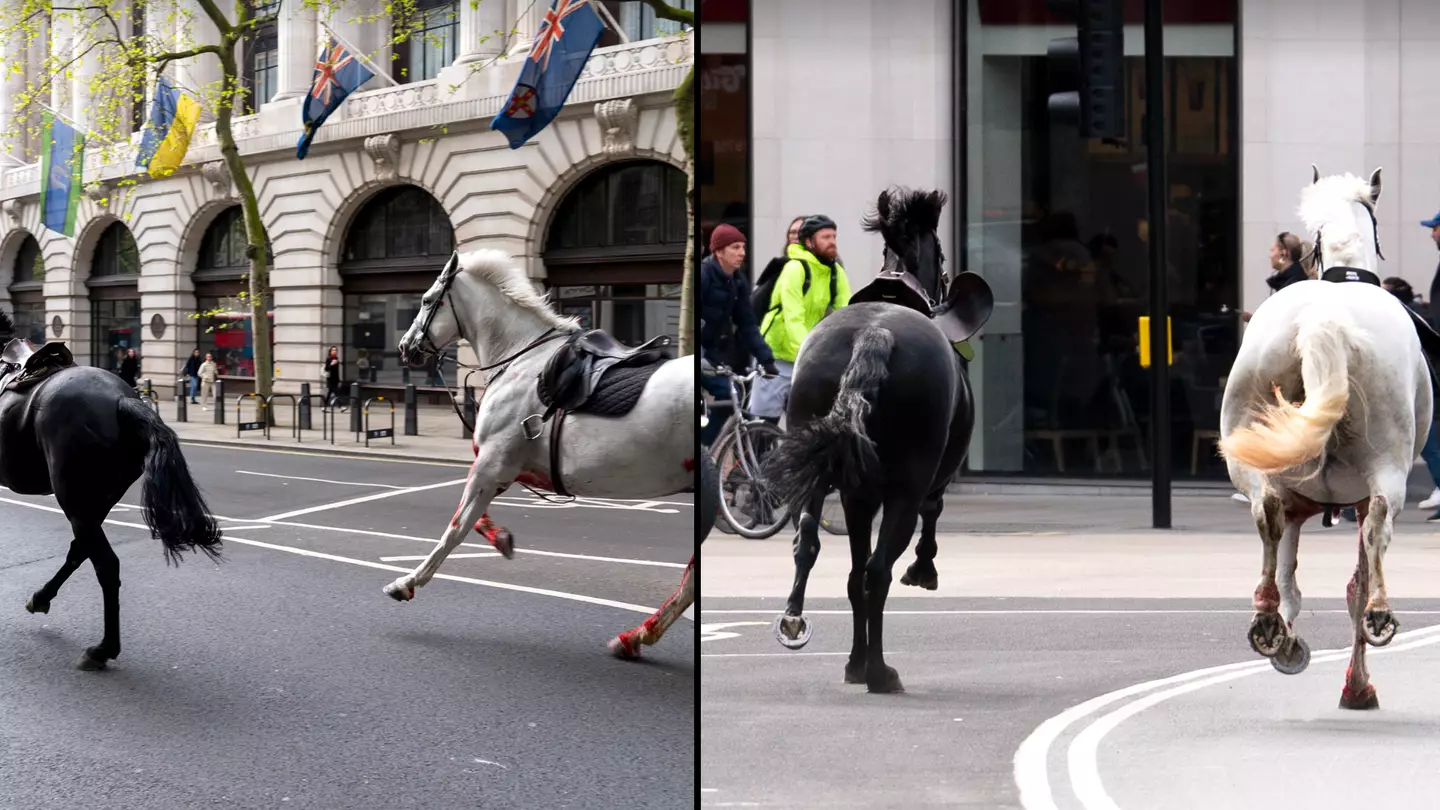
(149, 387)
(305, 406)
(219, 397)
(412, 416)
(182, 402)
(355, 407)
(469, 409)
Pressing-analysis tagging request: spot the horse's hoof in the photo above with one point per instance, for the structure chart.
(32, 606)
(92, 660)
(1293, 658)
(889, 681)
(921, 574)
(854, 673)
(399, 594)
(793, 632)
(1367, 699)
(1379, 627)
(625, 649)
(503, 541)
(1267, 634)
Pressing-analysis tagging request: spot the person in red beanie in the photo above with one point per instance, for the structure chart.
(728, 330)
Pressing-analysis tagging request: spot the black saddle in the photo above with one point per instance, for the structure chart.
(1429, 338)
(25, 370)
(967, 306)
(574, 373)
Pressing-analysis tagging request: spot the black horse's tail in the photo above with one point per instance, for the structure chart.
(835, 449)
(174, 509)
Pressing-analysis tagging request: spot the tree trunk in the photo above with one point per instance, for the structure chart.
(685, 124)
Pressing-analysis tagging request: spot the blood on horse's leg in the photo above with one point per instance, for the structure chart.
(1267, 629)
(499, 536)
(1358, 692)
(627, 644)
(478, 495)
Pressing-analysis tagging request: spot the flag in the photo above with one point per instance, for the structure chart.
(337, 74)
(173, 116)
(570, 31)
(62, 156)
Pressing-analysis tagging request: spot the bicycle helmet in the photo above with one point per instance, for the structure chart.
(813, 223)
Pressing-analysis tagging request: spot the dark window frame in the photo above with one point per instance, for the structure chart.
(587, 221)
(31, 255)
(227, 228)
(116, 244)
(263, 40)
(439, 18)
(372, 242)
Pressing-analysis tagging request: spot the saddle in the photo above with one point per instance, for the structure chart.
(1429, 338)
(26, 367)
(968, 302)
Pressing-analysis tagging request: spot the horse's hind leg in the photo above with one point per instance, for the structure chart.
(107, 571)
(1380, 624)
(859, 520)
(1267, 629)
(922, 572)
(627, 644)
(1358, 692)
(896, 527)
(792, 629)
(39, 602)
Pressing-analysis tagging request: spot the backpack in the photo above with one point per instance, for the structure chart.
(765, 286)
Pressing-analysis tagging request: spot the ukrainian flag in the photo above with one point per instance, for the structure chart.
(62, 156)
(167, 135)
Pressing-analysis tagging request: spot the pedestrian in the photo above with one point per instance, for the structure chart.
(812, 285)
(775, 265)
(208, 373)
(729, 335)
(192, 375)
(332, 376)
(130, 368)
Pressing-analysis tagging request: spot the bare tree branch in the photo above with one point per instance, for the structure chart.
(165, 59)
(665, 11)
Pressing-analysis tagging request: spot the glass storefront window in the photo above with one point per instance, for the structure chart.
(722, 178)
(632, 313)
(375, 324)
(116, 327)
(30, 321)
(225, 331)
(1057, 225)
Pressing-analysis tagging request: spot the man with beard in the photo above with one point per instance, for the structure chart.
(812, 285)
(728, 333)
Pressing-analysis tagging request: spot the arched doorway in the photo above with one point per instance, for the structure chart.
(393, 250)
(27, 292)
(615, 251)
(114, 297)
(221, 296)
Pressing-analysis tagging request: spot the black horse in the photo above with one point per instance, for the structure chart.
(83, 435)
(881, 409)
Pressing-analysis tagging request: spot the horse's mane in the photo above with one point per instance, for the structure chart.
(901, 212)
(1330, 201)
(498, 268)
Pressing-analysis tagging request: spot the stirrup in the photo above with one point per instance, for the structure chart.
(540, 426)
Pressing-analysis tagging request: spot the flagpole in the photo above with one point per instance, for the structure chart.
(384, 74)
(72, 122)
(610, 21)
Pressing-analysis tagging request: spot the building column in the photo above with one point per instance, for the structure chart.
(299, 44)
(200, 74)
(9, 85)
(482, 30)
(527, 23)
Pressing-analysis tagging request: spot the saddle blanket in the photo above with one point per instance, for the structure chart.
(618, 391)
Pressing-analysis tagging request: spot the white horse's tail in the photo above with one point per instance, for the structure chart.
(1284, 435)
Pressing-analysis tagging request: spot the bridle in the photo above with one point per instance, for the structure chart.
(1316, 253)
(428, 348)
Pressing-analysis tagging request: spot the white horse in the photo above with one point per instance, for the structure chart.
(1328, 403)
(484, 298)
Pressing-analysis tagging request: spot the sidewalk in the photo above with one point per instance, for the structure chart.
(440, 436)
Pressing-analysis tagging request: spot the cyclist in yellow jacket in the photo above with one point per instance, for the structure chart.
(811, 285)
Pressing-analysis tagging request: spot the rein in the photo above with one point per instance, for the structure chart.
(536, 343)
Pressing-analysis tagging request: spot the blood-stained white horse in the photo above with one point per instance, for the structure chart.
(1328, 404)
(645, 449)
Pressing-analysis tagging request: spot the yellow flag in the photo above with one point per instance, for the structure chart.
(177, 140)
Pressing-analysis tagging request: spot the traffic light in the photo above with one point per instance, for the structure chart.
(1088, 70)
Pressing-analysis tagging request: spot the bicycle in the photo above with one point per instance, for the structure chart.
(746, 505)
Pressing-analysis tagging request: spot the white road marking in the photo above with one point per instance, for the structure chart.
(319, 480)
(1044, 612)
(362, 499)
(1031, 764)
(711, 632)
(784, 654)
(245, 528)
(421, 557)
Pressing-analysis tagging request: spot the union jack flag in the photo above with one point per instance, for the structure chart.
(325, 70)
(568, 35)
(337, 74)
(552, 29)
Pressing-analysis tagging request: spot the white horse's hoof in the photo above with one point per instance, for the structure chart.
(793, 632)
(1379, 627)
(624, 648)
(398, 592)
(1293, 657)
(1267, 634)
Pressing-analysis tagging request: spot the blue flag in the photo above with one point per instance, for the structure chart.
(337, 74)
(62, 155)
(571, 30)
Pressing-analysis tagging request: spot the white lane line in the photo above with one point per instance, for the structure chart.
(57, 510)
(435, 540)
(1045, 612)
(1083, 758)
(420, 557)
(245, 528)
(784, 654)
(363, 499)
(319, 480)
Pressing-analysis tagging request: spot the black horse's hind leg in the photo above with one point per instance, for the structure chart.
(922, 573)
(40, 600)
(107, 570)
(896, 527)
(791, 629)
(859, 518)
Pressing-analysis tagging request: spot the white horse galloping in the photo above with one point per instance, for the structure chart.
(649, 452)
(1328, 404)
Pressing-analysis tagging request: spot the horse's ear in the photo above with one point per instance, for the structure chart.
(1375, 186)
(1316, 174)
(882, 206)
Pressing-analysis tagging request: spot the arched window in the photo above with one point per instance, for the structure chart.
(615, 251)
(114, 297)
(224, 319)
(27, 292)
(393, 250)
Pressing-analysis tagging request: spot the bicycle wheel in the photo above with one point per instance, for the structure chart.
(721, 523)
(708, 501)
(745, 501)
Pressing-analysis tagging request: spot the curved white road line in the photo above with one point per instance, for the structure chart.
(1031, 762)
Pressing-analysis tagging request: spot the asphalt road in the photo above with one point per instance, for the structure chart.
(283, 677)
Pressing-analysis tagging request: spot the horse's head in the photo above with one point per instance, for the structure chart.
(1340, 210)
(909, 222)
(435, 326)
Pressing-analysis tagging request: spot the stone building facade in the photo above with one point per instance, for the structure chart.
(397, 178)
